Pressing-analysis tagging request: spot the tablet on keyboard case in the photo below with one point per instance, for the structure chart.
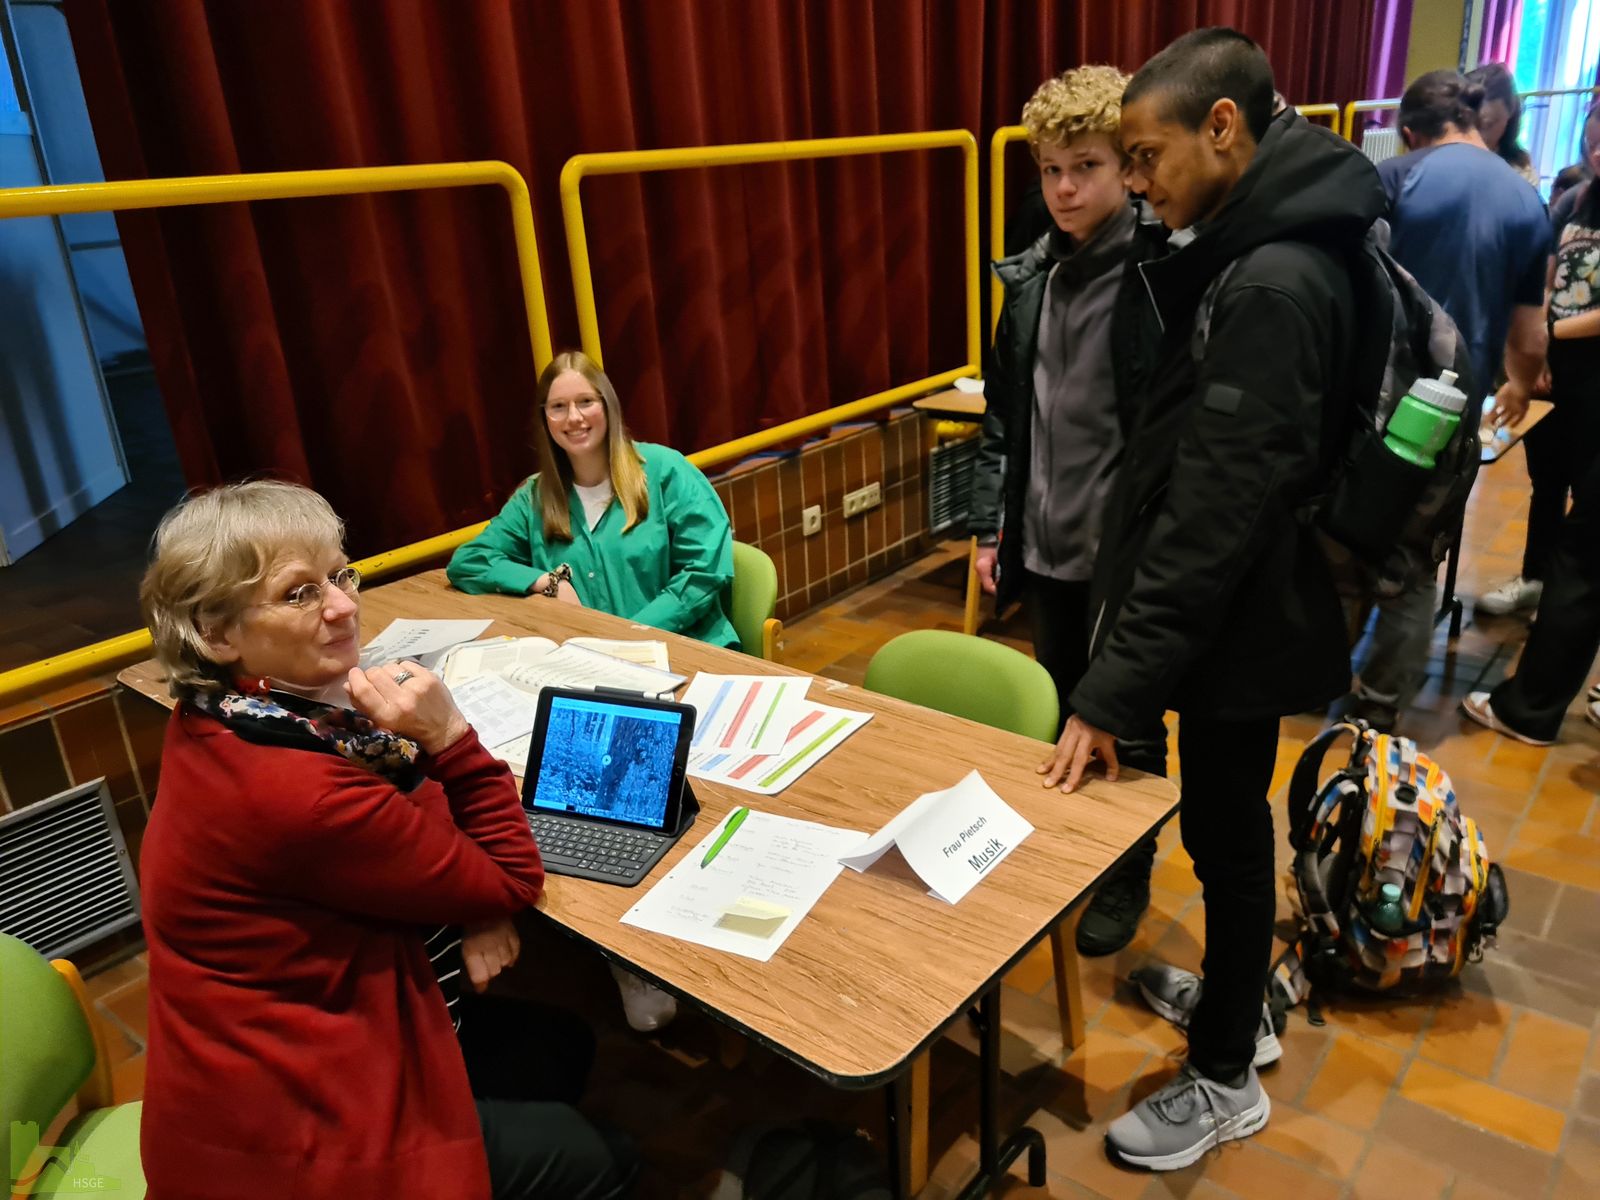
(605, 790)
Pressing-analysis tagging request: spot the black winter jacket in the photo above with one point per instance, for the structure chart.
(1211, 589)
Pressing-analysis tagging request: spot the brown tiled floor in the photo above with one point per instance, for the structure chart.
(1490, 1089)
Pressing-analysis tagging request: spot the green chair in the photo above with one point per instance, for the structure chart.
(994, 685)
(52, 1046)
(969, 677)
(753, 602)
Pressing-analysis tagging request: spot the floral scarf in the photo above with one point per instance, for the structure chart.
(284, 719)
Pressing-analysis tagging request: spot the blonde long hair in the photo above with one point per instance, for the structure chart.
(555, 467)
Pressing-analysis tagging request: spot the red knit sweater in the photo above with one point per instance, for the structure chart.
(299, 1043)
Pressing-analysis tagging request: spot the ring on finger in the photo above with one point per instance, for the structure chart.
(402, 675)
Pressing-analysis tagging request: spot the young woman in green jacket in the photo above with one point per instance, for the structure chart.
(629, 528)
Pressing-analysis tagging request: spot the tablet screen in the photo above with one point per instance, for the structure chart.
(608, 759)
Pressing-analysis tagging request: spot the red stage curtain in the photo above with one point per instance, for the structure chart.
(376, 347)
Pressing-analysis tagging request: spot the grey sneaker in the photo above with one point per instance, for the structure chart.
(1175, 1126)
(1173, 992)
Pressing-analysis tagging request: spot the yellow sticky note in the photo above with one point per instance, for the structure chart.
(757, 918)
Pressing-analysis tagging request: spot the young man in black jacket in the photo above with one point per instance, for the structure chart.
(1212, 591)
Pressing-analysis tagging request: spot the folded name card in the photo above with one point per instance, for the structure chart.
(952, 839)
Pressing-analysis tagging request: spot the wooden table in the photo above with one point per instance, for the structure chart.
(875, 973)
(953, 405)
(1538, 410)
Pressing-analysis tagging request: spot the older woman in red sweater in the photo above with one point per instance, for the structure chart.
(298, 853)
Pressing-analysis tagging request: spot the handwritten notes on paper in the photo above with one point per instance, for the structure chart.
(750, 897)
(952, 839)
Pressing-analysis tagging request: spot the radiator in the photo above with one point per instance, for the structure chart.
(1379, 144)
(65, 876)
(950, 467)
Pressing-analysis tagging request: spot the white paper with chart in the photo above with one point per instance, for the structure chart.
(817, 731)
(753, 893)
(744, 713)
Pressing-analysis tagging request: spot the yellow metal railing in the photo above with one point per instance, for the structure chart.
(1003, 137)
(60, 199)
(629, 162)
(1315, 112)
(1365, 106)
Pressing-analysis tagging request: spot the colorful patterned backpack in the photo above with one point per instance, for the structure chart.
(1389, 817)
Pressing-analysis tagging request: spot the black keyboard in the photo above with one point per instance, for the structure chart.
(609, 853)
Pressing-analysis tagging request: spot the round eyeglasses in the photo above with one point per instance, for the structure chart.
(309, 597)
(584, 404)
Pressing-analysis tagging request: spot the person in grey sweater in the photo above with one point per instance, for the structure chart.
(1052, 433)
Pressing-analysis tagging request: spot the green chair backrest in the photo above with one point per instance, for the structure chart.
(46, 1046)
(755, 595)
(968, 677)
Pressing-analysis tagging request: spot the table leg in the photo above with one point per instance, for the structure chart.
(1451, 605)
(995, 1157)
(1069, 991)
(907, 1097)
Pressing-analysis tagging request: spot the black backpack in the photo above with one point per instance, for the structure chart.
(1398, 518)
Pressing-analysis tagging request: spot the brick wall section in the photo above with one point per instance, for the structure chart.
(765, 497)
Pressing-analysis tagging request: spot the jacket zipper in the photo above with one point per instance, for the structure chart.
(1148, 291)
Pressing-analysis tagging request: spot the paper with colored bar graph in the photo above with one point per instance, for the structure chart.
(817, 730)
(744, 713)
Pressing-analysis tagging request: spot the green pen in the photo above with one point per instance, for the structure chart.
(739, 814)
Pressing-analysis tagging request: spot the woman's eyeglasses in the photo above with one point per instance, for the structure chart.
(558, 411)
(309, 597)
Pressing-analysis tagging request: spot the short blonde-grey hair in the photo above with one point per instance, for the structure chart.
(1082, 100)
(209, 556)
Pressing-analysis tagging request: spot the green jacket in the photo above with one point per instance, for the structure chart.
(672, 570)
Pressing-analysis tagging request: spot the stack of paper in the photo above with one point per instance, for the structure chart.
(422, 642)
(496, 683)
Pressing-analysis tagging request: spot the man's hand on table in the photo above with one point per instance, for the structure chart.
(1080, 743)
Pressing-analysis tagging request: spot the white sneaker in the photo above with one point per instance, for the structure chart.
(1477, 707)
(648, 1008)
(1510, 596)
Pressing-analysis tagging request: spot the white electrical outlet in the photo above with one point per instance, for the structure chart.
(811, 520)
(860, 500)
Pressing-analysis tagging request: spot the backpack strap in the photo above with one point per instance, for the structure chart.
(1304, 794)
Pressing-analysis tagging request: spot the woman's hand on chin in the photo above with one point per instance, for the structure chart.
(419, 706)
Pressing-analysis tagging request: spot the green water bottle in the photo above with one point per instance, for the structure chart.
(1388, 915)
(1425, 418)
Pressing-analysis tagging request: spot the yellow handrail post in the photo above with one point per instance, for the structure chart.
(627, 162)
(1003, 137)
(1312, 112)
